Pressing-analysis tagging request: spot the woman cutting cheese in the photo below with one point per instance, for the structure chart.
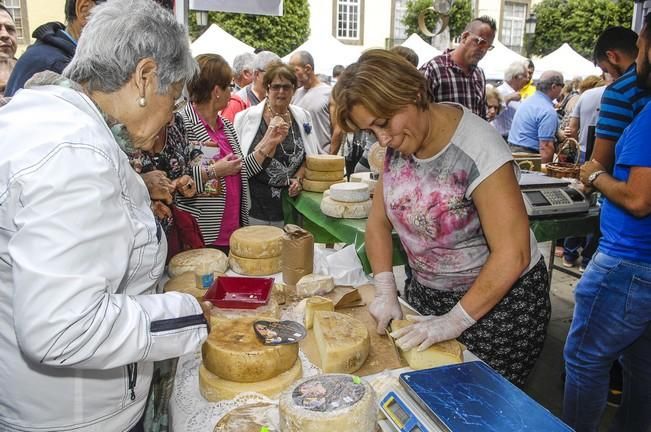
(449, 189)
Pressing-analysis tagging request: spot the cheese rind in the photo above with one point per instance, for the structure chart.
(324, 175)
(325, 162)
(440, 354)
(318, 186)
(257, 241)
(314, 304)
(352, 192)
(314, 284)
(215, 389)
(343, 341)
(188, 261)
(185, 283)
(344, 210)
(233, 352)
(328, 403)
(250, 418)
(255, 267)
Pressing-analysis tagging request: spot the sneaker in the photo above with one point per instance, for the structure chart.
(614, 398)
(568, 263)
(582, 268)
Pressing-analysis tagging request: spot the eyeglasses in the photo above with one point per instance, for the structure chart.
(278, 87)
(481, 42)
(180, 104)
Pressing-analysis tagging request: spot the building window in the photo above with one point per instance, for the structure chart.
(348, 19)
(513, 25)
(16, 12)
(399, 29)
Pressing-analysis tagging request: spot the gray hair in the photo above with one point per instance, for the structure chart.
(304, 58)
(548, 79)
(113, 42)
(243, 62)
(514, 69)
(263, 59)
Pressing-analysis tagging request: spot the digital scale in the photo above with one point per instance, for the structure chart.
(549, 196)
(465, 397)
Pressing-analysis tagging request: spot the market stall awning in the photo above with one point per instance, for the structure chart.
(498, 59)
(215, 40)
(567, 61)
(424, 50)
(327, 52)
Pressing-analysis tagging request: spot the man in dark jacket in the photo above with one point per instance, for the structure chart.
(55, 45)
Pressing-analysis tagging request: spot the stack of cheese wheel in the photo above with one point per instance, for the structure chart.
(327, 403)
(235, 361)
(256, 250)
(322, 172)
(347, 201)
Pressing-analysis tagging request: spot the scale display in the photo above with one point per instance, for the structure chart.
(406, 416)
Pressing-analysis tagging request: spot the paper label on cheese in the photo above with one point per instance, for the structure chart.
(328, 393)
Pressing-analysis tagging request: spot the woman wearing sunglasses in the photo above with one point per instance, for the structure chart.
(289, 128)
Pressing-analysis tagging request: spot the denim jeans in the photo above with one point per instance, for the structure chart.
(611, 321)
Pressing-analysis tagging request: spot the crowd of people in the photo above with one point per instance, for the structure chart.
(133, 151)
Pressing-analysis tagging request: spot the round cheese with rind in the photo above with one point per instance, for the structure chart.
(325, 162)
(352, 192)
(343, 342)
(364, 177)
(314, 284)
(344, 210)
(324, 175)
(255, 267)
(185, 283)
(233, 352)
(198, 259)
(250, 418)
(328, 403)
(314, 304)
(318, 186)
(257, 241)
(215, 389)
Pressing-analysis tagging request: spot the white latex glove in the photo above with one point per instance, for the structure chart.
(385, 305)
(431, 329)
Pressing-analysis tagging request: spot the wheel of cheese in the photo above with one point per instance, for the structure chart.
(255, 267)
(215, 389)
(376, 155)
(328, 403)
(364, 177)
(257, 241)
(344, 210)
(353, 192)
(324, 175)
(314, 304)
(191, 260)
(342, 341)
(233, 352)
(318, 186)
(250, 418)
(314, 285)
(325, 162)
(185, 283)
(440, 354)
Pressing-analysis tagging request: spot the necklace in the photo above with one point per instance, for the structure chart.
(286, 116)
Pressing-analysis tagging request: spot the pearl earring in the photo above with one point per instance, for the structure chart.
(142, 102)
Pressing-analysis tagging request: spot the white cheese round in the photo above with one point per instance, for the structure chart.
(325, 162)
(345, 210)
(188, 261)
(257, 241)
(350, 192)
(364, 177)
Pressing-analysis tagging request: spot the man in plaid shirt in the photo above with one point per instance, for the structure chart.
(454, 76)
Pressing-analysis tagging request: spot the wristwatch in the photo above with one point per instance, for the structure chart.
(592, 177)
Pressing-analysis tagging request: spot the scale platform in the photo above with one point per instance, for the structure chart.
(466, 397)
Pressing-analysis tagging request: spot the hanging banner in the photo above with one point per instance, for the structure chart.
(253, 7)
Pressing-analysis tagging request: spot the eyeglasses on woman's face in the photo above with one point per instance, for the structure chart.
(480, 41)
(279, 87)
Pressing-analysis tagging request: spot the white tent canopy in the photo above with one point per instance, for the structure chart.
(215, 40)
(497, 60)
(424, 50)
(568, 62)
(327, 53)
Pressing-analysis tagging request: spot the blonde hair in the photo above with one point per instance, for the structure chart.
(589, 82)
(383, 83)
(492, 93)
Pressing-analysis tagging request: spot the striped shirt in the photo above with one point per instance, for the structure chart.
(449, 83)
(621, 102)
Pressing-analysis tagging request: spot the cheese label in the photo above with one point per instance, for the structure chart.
(279, 332)
(328, 393)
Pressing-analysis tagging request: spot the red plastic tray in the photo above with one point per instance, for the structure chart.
(235, 292)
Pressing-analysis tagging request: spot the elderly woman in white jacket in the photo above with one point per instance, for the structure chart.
(284, 166)
(80, 250)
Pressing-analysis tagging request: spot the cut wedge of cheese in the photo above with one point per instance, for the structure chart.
(343, 210)
(185, 283)
(255, 267)
(328, 403)
(191, 260)
(233, 352)
(314, 304)
(325, 162)
(440, 354)
(215, 389)
(257, 241)
(318, 186)
(324, 175)
(314, 284)
(343, 341)
(353, 192)
(250, 418)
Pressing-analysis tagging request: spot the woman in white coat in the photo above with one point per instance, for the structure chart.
(284, 167)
